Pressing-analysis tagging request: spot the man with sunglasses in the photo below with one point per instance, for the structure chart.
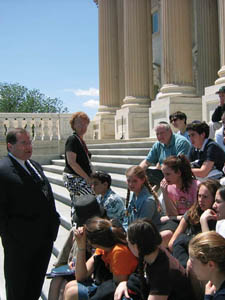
(179, 121)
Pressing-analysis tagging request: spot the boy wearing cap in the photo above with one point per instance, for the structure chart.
(111, 201)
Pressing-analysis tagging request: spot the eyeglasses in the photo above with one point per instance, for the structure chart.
(173, 120)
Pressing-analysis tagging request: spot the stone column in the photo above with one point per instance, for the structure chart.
(108, 70)
(120, 13)
(206, 43)
(137, 66)
(221, 11)
(211, 100)
(177, 75)
(177, 91)
(132, 118)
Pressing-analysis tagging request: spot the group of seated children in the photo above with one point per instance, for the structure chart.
(147, 256)
(143, 247)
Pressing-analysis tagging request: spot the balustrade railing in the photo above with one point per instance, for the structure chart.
(41, 126)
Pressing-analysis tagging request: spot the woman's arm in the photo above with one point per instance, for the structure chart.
(72, 161)
(180, 229)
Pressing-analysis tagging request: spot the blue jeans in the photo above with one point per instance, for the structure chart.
(85, 289)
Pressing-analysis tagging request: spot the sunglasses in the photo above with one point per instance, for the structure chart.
(173, 120)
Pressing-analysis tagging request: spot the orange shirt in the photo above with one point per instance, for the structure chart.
(119, 260)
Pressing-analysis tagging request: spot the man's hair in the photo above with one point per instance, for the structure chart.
(178, 115)
(200, 128)
(164, 124)
(102, 177)
(11, 135)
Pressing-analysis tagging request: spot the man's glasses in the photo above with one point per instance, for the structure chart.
(173, 120)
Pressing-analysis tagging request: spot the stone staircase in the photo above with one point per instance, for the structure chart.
(113, 158)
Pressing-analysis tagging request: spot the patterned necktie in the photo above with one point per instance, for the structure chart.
(32, 172)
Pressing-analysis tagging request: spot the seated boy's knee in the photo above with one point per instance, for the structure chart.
(71, 284)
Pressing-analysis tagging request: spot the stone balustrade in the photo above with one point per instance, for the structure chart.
(41, 126)
(48, 132)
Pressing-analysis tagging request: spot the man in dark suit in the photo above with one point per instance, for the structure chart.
(28, 219)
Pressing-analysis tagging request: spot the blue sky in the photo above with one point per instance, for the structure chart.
(52, 45)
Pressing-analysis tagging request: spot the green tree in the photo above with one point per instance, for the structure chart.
(17, 98)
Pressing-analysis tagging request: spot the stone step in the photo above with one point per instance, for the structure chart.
(58, 162)
(53, 168)
(121, 151)
(130, 160)
(143, 144)
(118, 159)
(98, 166)
(118, 180)
(111, 168)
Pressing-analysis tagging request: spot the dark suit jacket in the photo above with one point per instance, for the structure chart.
(27, 208)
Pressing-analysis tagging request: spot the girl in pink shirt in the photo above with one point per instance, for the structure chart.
(179, 189)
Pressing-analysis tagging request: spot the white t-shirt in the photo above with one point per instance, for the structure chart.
(220, 227)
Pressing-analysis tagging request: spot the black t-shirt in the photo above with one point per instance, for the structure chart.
(193, 229)
(165, 276)
(216, 116)
(211, 152)
(74, 144)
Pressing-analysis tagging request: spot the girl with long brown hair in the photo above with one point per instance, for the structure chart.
(179, 186)
(179, 192)
(190, 225)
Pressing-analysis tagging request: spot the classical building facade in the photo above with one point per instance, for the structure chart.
(157, 57)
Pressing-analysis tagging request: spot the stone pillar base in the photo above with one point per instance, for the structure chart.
(132, 122)
(104, 126)
(221, 73)
(174, 90)
(210, 101)
(161, 109)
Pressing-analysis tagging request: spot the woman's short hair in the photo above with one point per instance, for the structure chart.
(78, 115)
